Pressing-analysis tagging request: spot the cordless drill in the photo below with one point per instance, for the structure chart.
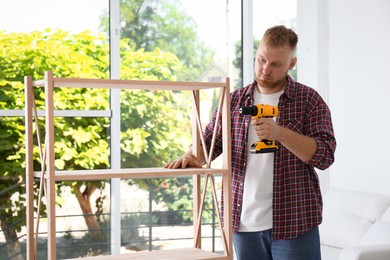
(259, 111)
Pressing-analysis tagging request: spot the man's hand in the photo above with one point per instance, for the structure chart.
(266, 128)
(186, 161)
(304, 147)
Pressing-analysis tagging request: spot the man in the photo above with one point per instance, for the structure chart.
(277, 204)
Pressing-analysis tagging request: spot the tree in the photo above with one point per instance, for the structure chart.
(150, 24)
(82, 143)
(34, 53)
(11, 182)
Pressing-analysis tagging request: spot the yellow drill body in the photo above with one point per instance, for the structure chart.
(260, 111)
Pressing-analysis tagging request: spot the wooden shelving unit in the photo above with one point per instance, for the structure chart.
(182, 254)
(84, 175)
(48, 176)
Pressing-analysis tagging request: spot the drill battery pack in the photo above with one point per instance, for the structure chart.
(263, 146)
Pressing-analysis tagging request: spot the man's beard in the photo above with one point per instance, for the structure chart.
(269, 84)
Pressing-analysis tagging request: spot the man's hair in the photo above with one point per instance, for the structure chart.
(279, 36)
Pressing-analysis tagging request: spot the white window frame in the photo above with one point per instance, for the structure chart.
(114, 17)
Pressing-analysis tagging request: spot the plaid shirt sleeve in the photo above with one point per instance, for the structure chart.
(320, 128)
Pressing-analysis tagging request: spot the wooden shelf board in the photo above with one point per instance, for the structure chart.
(135, 173)
(130, 84)
(172, 254)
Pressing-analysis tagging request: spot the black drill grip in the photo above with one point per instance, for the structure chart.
(252, 110)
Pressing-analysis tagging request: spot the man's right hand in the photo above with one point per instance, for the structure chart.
(186, 161)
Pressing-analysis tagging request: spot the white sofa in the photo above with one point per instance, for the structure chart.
(356, 226)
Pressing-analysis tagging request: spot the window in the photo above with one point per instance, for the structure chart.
(169, 40)
(160, 40)
(37, 36)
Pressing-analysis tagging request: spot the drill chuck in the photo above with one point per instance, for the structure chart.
(252, 110)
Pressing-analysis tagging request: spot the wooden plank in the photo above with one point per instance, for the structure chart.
(227, 180)
(131, 84)
(134, 173)
(172, 254)
(196, 180)
(39, 83)
(213, 139)
(49, 146)
(28, 91)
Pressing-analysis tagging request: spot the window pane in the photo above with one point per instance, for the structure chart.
(277, 12)
(178, 40)
(64, 37)
(12, 210)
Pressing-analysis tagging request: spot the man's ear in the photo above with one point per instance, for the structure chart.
(292, 63)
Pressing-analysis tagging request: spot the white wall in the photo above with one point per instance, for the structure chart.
(359, 92)
(343, 52)
(312, 26)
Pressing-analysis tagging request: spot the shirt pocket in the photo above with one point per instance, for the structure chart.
(296, 124)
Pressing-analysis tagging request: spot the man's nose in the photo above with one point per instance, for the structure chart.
(266, 69)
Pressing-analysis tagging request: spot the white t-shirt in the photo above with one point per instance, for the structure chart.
(256, 214)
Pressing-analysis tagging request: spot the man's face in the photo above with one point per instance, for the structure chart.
(272, 65)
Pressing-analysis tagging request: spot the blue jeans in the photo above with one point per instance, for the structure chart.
(259, 246)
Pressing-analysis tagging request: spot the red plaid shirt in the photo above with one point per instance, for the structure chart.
(297, 201)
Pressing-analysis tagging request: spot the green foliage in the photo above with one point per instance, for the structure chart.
(177, 193)
(164, 24)
(81, 55)
(146, 133)
(149, 118)
(11, 180)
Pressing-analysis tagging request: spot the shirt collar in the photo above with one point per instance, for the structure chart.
(289, 89)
